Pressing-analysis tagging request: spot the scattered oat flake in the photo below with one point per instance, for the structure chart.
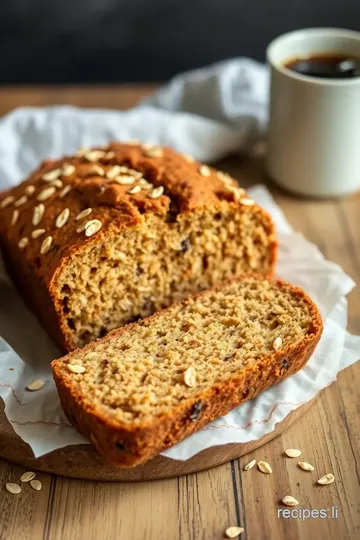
(92, 227)
(94, 155)
(46, 245)
(110, 155)
(227, 181)
(52, 175)
(27, 476)
(204, 170)
(46, 193)
(96, 169)
(65, 191)
(125, 180)
(23, 242)
(13, 488)
(83, 214)
(36, 484)
(292, 452)
(190, 377)
(247, 202)
(145, 184)
(62, 218)
(37, 232)
(223, 176)
(21, 201)
(277, 344)
(134, 190)
(188, 158)
(264, 467)
(29, 190)
(76, 368)
(234, 532)
(326, 479)
(305, 466)
(250, 465)
(157, 192)
(82, 151)
(38, 214)
(57, 183)
(136, 174)
(154, 151)
(68, 169)
(235, 191)
(113, 172)
(82, 227)
(8, 200)
(35, 385)
(288, 500)
(14, 217)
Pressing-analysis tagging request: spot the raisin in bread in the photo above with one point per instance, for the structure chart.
(110, 235)
(148, 385)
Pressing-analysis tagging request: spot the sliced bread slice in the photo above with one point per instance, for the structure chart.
(150, 384)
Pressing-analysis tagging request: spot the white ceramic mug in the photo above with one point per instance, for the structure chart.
(314, 125)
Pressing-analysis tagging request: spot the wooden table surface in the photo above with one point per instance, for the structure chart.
(201, 506)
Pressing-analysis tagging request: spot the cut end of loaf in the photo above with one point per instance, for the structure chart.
(232, 341)
(125, 277)
(114, 233)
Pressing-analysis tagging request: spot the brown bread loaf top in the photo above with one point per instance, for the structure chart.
(113, 234)
(148, 385)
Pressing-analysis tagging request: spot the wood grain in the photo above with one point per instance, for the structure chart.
(200, 506)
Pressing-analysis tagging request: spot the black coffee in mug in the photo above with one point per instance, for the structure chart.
(329, 66)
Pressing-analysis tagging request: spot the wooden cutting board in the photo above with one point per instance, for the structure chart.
(83, 461)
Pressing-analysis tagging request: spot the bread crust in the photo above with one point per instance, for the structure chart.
(35, 275)
(126, 445)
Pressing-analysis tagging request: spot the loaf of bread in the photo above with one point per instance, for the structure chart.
(113, 234)
(148, 385)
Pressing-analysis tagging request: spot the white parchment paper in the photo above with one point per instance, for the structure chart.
(29, 135)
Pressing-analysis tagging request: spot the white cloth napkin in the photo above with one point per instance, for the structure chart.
(233, 92)
(233, 96)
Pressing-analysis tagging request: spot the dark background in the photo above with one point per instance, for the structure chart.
(94, 41)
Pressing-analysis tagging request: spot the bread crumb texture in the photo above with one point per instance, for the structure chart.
(113, 234)
(138, 373)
